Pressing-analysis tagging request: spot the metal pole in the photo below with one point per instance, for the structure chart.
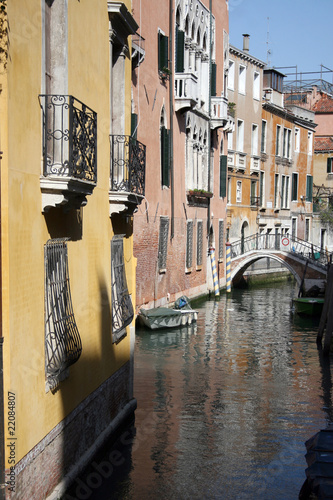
(228, 266)
(214, 271)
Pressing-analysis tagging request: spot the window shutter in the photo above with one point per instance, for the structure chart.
(329, 165)
(162, 51)
(261, 189)
(134, 123)
(189, 244)
(223, 176)
(165, 156)
(221, 239)
(199, 242)
(163, 243)
(180, 50)
(213, 80)
(309, 186)
(294, 188)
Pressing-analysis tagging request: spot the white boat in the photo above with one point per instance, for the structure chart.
(164, 317)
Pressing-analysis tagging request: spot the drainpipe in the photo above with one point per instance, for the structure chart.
(209, 114)
(172, 228)
(2, 416)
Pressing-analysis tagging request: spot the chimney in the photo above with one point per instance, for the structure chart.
(246, 43)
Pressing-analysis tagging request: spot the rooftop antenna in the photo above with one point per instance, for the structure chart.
(268, 62)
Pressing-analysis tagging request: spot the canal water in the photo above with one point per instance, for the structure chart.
(224, 406)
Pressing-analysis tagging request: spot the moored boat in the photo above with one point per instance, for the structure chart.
(311, 306)
(164, 317)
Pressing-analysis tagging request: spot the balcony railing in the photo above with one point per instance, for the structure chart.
(255, 201)
(219, 111)
(186, 90)
(69, 138)
(241, 161)
(255, 164)
(128, 165)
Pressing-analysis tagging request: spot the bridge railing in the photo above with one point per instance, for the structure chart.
(301, 248)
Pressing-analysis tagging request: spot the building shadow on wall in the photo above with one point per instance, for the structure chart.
(61, 224)
(86, 424)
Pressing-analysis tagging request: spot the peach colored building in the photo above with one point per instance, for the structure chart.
(180, 112)
(288, 163)
(245, 172)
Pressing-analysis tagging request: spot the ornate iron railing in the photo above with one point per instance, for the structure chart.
(62, 339)
(255, 201)
(69, 138)
(303, 249)
(128, 164)
(122, 308)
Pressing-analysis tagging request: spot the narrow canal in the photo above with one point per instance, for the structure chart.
(224, 406)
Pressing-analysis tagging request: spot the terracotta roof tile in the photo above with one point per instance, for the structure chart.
(324, 105)
(323, 143)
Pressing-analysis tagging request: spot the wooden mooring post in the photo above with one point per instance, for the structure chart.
(326, 319)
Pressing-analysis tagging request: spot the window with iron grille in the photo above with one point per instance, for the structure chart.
(62, 339)
(163, 244)
(189, 244)
(221, 239)
(199, 242)
(122, 308)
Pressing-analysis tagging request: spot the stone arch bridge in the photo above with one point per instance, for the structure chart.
(295, 254)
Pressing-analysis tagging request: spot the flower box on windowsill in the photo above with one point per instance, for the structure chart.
(198, 197)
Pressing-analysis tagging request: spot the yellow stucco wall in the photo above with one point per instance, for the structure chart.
(25, 230)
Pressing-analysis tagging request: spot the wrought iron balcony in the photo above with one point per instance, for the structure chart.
(255, 201)
(186, 91)
(69, 151)
(127, 176)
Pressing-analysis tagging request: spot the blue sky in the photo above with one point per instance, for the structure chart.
(300, 32)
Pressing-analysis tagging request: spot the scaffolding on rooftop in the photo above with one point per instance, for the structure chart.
(301, 82)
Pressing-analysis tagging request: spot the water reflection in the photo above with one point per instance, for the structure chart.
(224, 406)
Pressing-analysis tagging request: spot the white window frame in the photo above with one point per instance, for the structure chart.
(278, 141)
(230, 141)
(307, 229)
(310, 142)
(240, 136)
(286, 148)
(297, 136)
(238, 191)
(263, 140)
(256, 85)
(254, 139)
(231, 75)
(229, 190)
(241, 79)
(276, 190)
(293, 226)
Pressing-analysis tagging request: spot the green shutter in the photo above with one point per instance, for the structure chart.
(223, 176)
(165, 156)
(162, 51)
(261, 189)
(134, 123)
(213, 80)
(180, 50)
(329, 165)
(309, 186)
(294, 188)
